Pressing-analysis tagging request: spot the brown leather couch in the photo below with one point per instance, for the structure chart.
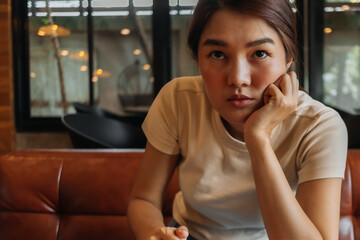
(84, 195)
(350, 198)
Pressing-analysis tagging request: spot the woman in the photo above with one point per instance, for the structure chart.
(256, 158)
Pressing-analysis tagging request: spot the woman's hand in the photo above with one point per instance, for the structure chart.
(280, 100)
(170, 233)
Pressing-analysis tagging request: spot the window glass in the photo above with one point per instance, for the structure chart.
(122, 55)
(108, 3)
(58, 57)
(143, 3)
(123, 46)
(173, 3)
(183, 63)
(341, 77)
(188, 2)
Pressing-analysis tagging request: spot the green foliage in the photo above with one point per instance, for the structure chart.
(352, 78)
(45, 21)
(343, 85)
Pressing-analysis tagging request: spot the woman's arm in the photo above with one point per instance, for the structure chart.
(314, 212)
(144, 211)
(320, 199)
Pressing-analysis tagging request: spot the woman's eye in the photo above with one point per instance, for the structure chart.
(217, 55)
(260, 54)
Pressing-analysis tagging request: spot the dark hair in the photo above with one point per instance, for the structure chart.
(277, 13)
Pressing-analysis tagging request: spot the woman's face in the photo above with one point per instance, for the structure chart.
(239, 56)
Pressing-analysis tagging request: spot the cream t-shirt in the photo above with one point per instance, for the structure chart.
(218, 196)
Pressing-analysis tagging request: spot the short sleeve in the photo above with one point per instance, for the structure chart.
(323, 150)
(161, 123)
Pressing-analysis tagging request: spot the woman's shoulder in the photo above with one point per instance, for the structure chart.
(311, 108)
(188, 83)
(180, 91)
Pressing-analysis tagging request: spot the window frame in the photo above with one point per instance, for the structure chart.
(20, 30)
(316, 47)
(21, 49)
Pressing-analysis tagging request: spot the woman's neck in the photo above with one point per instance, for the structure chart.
(235, 130)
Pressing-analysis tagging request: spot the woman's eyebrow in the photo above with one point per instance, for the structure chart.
(259, 42)
(221, 43)
(215, 42)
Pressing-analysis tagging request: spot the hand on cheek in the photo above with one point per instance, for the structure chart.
(280, 100)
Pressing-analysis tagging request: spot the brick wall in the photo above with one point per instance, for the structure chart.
(7, 128)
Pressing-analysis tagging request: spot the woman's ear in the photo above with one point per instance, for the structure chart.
(288, 64)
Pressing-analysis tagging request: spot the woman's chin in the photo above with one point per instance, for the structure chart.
(238, 118)
(237, 122)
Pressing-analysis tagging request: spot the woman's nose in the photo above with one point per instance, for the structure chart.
(239, 74)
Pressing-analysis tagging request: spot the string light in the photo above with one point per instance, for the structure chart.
(137, 52)
(146, 67)
(327, 30)
(125, 31)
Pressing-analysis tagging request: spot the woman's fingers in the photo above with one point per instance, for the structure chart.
(290, 84)
(295, 83)
(272, 91)
(171, 233)
(182, 232)
(293, 89)
(284, 89)
(283, 93)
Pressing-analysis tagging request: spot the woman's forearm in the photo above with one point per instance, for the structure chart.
(283, 216)
(154, 174)
(144, 218)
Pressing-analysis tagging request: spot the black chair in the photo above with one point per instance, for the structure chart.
(135, 119)
(92, 131)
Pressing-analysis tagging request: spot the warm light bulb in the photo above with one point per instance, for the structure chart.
(64, 53)
(99, 71)
(137, 52)
(83, 68)
(95, 79)
(125, 31)
(147, 67)
(327, 30)
(41, 33)
(32, 74)
(81, 53)
(55, 27)
(346, 7)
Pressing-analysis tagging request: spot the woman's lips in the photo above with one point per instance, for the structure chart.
(240, 100)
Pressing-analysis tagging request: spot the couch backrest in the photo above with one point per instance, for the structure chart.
(350, 198)
(61, 195)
